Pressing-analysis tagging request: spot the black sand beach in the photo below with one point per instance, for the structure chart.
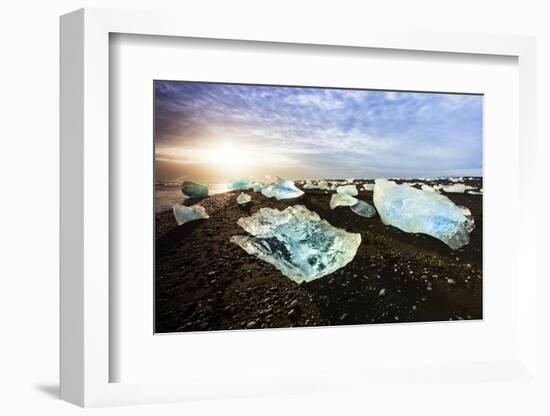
(205, 282)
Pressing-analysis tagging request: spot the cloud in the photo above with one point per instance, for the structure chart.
(327, 131)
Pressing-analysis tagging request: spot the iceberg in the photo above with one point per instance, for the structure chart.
(310, 186)
(297, 242)
(243, 198)
(282, 189)
(342, 200)
(347, 190)
(185, 214)
(241, 184)
(415, 211)
(194, 190)
(364, 209)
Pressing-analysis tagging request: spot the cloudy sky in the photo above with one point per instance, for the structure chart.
(216, 132)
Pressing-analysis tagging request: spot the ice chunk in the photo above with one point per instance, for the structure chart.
(416, 211)
(457, 188)
(258, 186)
(241, 184)
(282, 189)
(297, 242)
(427, 188)
(310, 186)
(243, 198)
(185, 214)
(368, 187)
(323, 185)
(347, 190)
(475, 193)
(364, 209)
(194, 190)
(342, 200)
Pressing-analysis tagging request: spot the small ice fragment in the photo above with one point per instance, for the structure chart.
(457, 188)
(258, 186)
(342, 200)
(368, 187)
(297, 241)
(475, 193)
(185, 214)
(194, 190)
(310, 186)
(282, 189)
(323, 185)
(243, 198)
(364, 209)
(241, 184)
(347, 190)
(416, 211)
(427, 188)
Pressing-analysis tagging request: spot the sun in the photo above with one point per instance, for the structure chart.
(228, 156)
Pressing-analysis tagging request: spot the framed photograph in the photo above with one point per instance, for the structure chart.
(321, 200)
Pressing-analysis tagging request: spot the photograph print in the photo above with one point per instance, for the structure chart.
(294, 206)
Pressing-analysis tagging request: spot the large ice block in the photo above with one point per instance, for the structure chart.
(194, 190)
(297, 242)
(342, 200)
(347, 190)
(415, 211)
(364, 209)
(282, 189)
(185, 214)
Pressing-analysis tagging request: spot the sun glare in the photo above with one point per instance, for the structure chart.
(229, 156)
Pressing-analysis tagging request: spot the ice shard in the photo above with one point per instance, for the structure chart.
(185, 214)
(194, 190)
(342, 200)
(415, 211)
(243, 198)
(282, 189)
(347, 190)
(364, 209)
(297, 242)
(241, 184)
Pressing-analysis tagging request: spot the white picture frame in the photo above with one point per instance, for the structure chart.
(85, 164)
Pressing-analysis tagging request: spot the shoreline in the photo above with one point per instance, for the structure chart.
(205, 282)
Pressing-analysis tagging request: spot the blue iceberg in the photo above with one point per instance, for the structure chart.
(243, 199)
(342, 200)
(194, 190)
(241, 184)
(185, 214)
(282, 189)
(297, 242)
(347, 190)
(364, 209)
(415, 211)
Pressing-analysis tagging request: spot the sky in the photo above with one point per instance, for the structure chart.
(217, 132)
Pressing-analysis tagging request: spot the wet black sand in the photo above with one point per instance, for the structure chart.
(205, 282)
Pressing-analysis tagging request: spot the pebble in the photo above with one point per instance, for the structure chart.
(251, 324)
(451, 281)
(382, 292)
(343, 316)
(293, 304)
